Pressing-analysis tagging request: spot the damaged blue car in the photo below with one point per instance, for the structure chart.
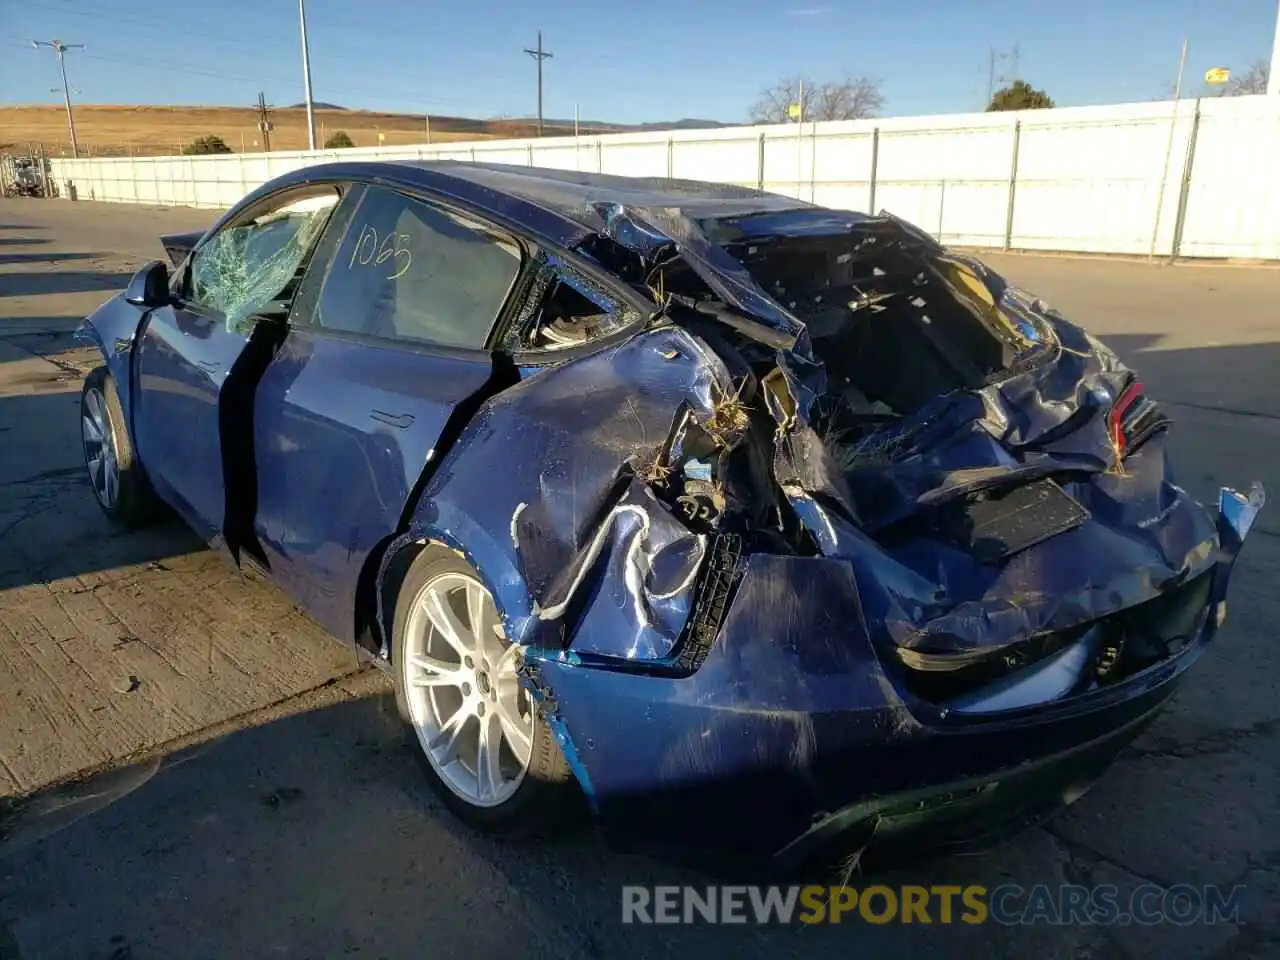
(756, 525)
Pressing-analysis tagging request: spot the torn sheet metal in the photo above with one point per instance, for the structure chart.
(935, 601)
(543, 488)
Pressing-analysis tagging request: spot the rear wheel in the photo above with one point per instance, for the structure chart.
(115, 476)
(479, 734)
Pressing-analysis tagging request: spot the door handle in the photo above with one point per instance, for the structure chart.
(400, 420)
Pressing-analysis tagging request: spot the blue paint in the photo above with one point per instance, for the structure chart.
(799, 718)
(340, 421)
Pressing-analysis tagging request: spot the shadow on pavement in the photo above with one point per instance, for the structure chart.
(67, 281)
(50, 524)
(8, 258)
(316, 835)
(21, 241)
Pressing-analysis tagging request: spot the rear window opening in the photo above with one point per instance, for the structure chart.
(565, 308)
(895, 320)
(568, 318)
(895, 324)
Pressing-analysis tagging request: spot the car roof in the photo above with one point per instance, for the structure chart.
(572, 192)
(643, 214)
(558, 204)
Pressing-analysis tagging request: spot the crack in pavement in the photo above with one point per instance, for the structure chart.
(1211, 744)
(1079, 850)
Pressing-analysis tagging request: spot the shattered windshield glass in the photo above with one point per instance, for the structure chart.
(243, 269)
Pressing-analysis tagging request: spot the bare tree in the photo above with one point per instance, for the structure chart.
(1253, 80)
(849, 99)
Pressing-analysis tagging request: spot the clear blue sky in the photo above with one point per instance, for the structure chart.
(627, 62)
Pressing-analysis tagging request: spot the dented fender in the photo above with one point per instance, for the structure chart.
(113, 329)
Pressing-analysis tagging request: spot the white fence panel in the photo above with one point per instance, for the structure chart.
(1095, 184)
(631, 159)
(843, 172)
(1233, 200)
(1155, 179)
(559, 155)
(720, 160)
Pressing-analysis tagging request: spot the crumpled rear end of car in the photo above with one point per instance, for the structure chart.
(852, 533)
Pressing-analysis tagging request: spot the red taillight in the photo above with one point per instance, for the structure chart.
(1115, 420)
(1133, 419)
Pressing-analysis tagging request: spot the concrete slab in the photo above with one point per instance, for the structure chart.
(110, 644)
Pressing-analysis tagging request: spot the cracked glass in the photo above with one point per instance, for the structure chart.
(253, 268)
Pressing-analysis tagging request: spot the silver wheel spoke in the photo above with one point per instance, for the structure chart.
(446, 741)
(436, 673)
(485, 624)
(447, 624)
(489, 757)
(90, 429)
(95, 471)
(476, 609)
(110, 484)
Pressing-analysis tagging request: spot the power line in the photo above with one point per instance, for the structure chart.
(539, 55)
(155, 26)
(166, 66)
(60, 48)
(993, 57)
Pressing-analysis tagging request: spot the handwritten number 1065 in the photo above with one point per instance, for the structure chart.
(369, 251)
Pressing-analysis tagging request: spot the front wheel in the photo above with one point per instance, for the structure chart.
(115, 476)
(484, 746)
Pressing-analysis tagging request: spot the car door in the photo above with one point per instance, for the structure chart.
(385, 358)
(190, 354)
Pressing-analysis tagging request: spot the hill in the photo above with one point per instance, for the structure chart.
(111, 130)
(120, 130)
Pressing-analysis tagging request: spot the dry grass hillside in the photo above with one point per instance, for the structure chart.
(151, 131)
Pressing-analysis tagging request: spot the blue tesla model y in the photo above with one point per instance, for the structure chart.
(755, 525)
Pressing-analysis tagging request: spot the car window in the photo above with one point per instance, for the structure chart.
(253, 267)
(566, 308)
(410, 271)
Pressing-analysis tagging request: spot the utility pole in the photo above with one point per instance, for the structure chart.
(264, 125)
(1273, 78)
(539, 55)
(994, 56)
(61, 49)
(306, 76)
(1168, 149)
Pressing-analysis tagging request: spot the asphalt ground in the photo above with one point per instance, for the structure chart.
(189, 767)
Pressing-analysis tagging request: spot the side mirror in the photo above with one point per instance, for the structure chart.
(150, 286)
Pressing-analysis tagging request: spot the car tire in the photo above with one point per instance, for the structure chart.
(474, 727)
(115, 475)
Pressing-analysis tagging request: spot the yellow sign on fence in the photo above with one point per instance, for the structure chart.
(1217, 75)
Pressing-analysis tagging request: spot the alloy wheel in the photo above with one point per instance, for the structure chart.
(99, 448)
(472, 716)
